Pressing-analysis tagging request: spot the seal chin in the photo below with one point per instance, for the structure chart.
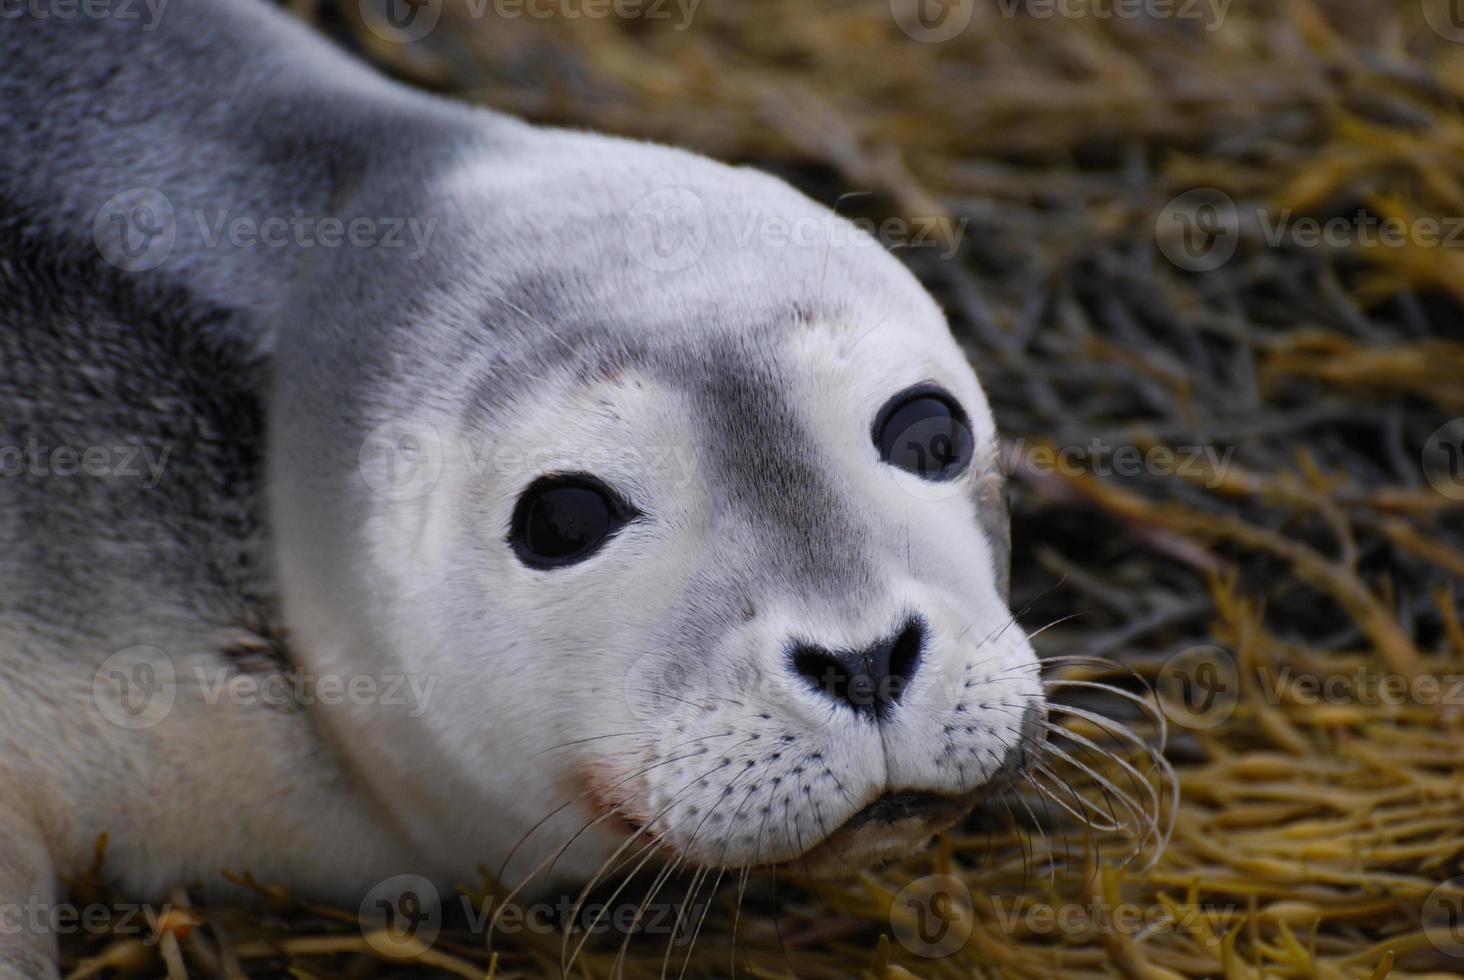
(891, 826)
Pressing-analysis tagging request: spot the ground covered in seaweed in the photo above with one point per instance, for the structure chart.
(1210, 267)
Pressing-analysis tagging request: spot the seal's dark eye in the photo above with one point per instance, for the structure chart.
(924, 431)
(561, 520)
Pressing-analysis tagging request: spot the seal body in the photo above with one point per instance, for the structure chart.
(287, 356)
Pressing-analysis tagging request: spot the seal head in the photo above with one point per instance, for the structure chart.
(679, 489)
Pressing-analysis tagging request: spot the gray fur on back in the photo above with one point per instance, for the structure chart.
(224, 108)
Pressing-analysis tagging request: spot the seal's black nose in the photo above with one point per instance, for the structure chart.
(871, 680)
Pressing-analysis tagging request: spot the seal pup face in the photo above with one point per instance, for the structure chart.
(712, 560)
(811, 655)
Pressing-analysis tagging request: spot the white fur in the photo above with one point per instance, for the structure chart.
(735, 396)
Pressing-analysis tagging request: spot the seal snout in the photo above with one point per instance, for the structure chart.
(871, 681)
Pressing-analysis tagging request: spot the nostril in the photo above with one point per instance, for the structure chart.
(905, 656)
(870, 681)
(825, 672)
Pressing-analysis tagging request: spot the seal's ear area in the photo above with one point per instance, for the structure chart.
(995, 519)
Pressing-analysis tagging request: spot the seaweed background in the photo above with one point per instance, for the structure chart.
(1306, 521)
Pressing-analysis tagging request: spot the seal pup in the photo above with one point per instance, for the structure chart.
(635, 502)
